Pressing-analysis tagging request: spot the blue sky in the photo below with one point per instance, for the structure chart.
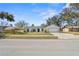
(32, 13)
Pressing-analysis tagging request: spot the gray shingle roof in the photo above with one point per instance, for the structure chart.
(72, 27)
(35, 27)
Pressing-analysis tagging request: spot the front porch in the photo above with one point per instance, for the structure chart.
(35, 30)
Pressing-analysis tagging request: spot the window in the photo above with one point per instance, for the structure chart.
(38, 30)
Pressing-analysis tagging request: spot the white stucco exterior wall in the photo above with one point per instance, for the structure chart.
(53, 28)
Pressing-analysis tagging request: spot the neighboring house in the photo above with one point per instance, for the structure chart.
(19, 30)
(13, 29)
(71, 29)
(9, 29)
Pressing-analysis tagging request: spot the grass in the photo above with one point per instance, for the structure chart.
(32, 35)
(29, 33)
(2, 35)
(38, 33)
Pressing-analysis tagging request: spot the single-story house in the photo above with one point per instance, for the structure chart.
(34, 29)
(50, 28)
(71, 29)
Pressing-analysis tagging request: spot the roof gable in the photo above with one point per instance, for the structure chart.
(52, 26)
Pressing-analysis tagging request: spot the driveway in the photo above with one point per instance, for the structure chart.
(33, 47)
(66, 36)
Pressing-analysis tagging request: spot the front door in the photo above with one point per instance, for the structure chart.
(33, 30)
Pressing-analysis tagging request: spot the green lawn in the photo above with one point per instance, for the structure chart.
(33, 35)
(37, 33)
(29, 33)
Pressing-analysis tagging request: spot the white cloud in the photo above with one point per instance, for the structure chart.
(48, 13)
(66, 6)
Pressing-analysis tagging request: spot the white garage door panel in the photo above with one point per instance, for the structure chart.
(53, 30)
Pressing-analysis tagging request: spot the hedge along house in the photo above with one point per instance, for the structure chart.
(2, 28)
(50, 28)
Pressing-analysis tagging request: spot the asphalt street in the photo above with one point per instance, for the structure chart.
(38, 47)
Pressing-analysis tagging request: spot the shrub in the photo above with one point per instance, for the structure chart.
(2, 35)
(10, 31)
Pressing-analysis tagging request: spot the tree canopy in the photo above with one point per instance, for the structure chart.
(67, 14)
(21, 24)
(6, 15)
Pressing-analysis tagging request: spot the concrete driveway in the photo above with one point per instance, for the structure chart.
(66, 36)
(33, 47)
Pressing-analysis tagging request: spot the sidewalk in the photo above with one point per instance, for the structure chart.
(66, 36)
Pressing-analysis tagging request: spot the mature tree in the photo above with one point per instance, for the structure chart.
(43, 25)
(65, 16)
(68, 15)
(6, 15)
(54, 20)
(74, 5)
(75, 9)
(32, 25)
(49, 21)
(21, 24)
(3, 16)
